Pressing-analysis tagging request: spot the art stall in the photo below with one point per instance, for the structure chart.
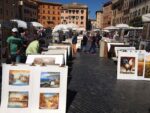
(133, 65)
(33, 89)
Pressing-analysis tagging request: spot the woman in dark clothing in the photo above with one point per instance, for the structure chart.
(84, 43)
(93, 45)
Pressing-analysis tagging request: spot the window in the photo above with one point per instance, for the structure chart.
(1, 11)
(69, 11)
(54, 18)
(143, 10)
(43, 11)
(44, 17)
(81, 22)
(53, 12)
(73, 11)
(77, 11)
(82, 11)
(43, 6)
(139, 12)
(146, 9)
(66, 11)
(48, 12)
(82, 17)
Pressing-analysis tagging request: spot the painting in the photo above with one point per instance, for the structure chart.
(49, 101)
(147, 66)
(127, 65)
(19, 77)
(44, 60)
(18, 99)
(140, 64)
(50, 80)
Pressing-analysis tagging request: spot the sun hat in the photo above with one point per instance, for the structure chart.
(14, 30)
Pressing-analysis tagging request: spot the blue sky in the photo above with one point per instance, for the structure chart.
(93, 5)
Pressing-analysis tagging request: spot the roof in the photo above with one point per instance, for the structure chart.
(107, 4)
(99, 11)
(74, 6)
(48, 3)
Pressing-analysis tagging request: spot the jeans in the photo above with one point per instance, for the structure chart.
(15, 58)
(92, 48)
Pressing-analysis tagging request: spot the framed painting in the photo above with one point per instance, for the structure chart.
(127, 65)
(46, 59)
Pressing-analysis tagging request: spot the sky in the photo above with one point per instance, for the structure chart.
(93, 5)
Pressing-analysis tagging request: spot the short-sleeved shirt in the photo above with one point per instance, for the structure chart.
(14, 44)
(33, 47)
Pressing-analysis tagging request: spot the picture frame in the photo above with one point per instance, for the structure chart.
(117, 49)
(46, 59)
(147, 67)
(28, 98)
(57, 52)
(127, 65)
(68, 47)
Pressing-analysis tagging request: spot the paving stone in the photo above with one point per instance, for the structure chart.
(98, 91)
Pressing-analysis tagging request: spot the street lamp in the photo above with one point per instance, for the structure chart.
(20, 9)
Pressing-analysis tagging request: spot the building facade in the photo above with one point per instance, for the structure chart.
(126, 11)
(75, 13)
(9, 9)
(93, 24)
(107, 14)
(29, 10)
(137, 9)
(117, 13)
(99, 19)
(49, 14)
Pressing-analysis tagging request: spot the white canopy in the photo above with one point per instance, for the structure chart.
(37, 24)
(135, 28)
(72, 26)
(59, 27)
(81, 29)
(20, 23)
(106, 31)
(146, 17)
(111, 28)
(122, 26)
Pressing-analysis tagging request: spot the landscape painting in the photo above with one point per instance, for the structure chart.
(147, 66)
(50, 80)
(18, 100)
(141, 64)
(49, 101)
(127, 65)
(19, 77)
(44, 60)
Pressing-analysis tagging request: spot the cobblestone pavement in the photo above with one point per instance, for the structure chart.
(93, 88)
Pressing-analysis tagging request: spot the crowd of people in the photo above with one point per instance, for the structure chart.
(89, 43)
(20, 44)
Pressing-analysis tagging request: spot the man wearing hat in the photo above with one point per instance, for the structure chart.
(14, 45)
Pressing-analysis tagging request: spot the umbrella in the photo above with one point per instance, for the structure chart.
(20, 23)
(72, 26)
(146, 17)
(122, 26)
(106, 31)
(60, 27)
(36, 24)
(111, 28)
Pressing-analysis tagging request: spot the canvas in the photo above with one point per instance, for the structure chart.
(127, 65)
